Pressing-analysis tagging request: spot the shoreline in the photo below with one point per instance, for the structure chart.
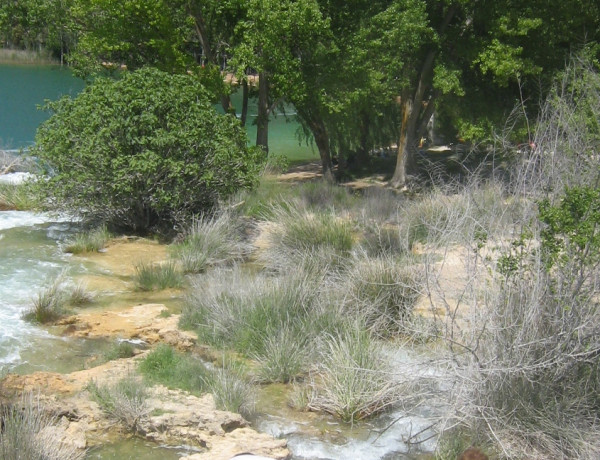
(26, 57)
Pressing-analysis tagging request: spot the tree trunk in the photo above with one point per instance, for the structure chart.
(210, 57)
(262, 120)
(413, 108)
(399, 178)
(322, 140)
(244, 102)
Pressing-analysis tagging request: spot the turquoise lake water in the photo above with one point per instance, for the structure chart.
(23, 88)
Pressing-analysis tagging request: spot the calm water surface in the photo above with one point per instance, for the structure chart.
(24, 88)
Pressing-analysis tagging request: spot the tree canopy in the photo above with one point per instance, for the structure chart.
(361, 74)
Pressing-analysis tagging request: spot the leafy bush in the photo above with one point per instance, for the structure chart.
(142, 151)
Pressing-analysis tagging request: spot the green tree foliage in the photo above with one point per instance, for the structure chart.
(143, 151)
(38, 25)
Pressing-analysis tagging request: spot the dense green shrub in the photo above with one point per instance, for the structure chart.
(142, 151)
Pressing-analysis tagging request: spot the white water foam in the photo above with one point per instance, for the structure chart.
(15, 178)
(29, 257)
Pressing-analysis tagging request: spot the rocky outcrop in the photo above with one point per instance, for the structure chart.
(174, 417)
(141, 322)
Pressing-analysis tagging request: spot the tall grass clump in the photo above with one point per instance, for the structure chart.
(353, 380)
(210, 241)
(149, 277)
(118, 351)
(124, 401)
(231, 390)
(49, 305)
(272, 320)
(382, 292)
(90, 241)
(241, 312)
(28, 432)
(17, 197)
(298, 234)
(52, 302)
(285, 357)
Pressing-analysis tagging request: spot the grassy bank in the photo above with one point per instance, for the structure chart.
(15, 56)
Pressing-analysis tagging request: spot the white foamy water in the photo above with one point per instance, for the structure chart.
(15, 178)
(29, 258)
(14, 219)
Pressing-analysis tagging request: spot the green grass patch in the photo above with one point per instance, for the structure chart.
(90, 241)
(149, 277)
(165, 366)
(175, 370)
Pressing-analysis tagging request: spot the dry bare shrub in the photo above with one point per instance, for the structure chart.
(29, 432)
(523, 358)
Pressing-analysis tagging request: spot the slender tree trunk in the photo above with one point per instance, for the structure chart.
(244, 102)
(363, 152)
(210, 57)
(262, 120)
(399, 178)
(322, 140)
(412, 109)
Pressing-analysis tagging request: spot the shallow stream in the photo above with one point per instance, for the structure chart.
(31, 254)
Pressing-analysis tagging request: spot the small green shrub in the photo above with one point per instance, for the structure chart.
(124, 401)
(92, 241)
(149, 276)
(27, 433)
